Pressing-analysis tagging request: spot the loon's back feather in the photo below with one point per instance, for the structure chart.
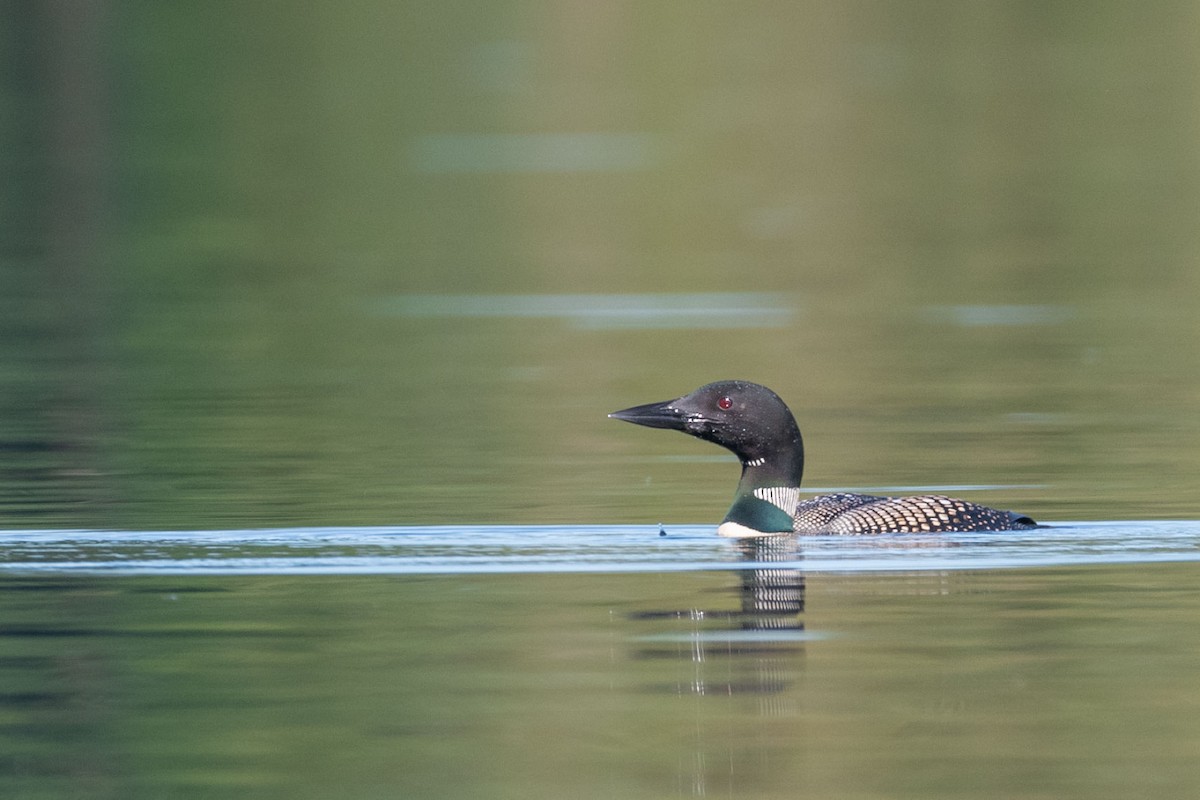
(852, 514)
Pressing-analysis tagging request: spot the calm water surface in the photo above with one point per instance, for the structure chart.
(599, 662)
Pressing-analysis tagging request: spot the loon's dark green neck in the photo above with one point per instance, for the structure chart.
(753, 516)
(768, 493)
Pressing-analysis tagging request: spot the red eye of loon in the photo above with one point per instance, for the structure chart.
(724, 404)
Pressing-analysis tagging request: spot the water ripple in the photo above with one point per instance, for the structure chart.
(582, 548)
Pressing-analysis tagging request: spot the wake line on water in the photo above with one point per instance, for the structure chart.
(515, 549)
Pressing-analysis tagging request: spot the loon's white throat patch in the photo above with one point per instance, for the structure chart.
(735, 530)
(785, 498)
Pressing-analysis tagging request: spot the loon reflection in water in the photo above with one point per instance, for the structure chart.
(758, 647)
(757, 426)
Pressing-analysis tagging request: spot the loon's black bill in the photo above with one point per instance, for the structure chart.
(653, 415)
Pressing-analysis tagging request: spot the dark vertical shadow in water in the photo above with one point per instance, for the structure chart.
(58, 341)
(57, 332)
(56, 690)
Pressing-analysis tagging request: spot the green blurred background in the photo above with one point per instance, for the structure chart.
(272, 264)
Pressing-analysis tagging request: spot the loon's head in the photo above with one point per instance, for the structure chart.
(744, 417)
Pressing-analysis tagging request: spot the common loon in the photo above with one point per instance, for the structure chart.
(758, 427)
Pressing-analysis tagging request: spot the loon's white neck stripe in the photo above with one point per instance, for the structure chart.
(785, 498)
